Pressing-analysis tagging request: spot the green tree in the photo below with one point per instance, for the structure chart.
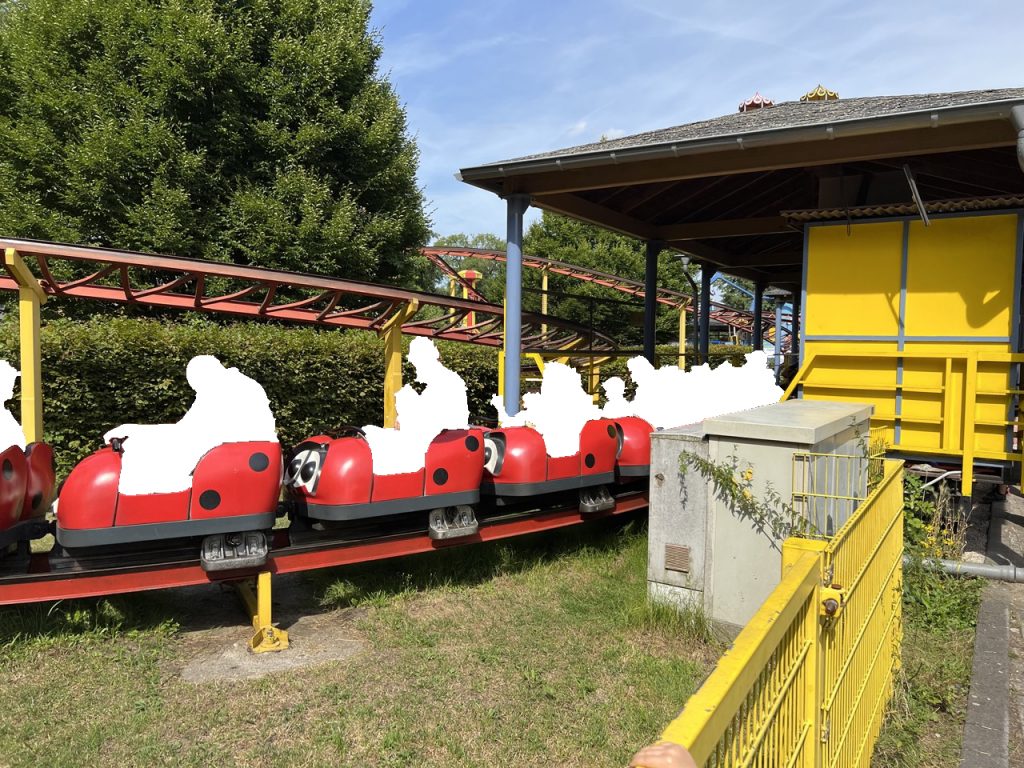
(249, 131)
(609, 311)
(492, 284)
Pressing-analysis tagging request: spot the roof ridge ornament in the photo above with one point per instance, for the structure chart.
(757, 101)
(820, 93)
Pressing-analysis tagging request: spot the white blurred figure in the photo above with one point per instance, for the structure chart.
(558, 411)
(422, 416)
(670, 397)
(229, 407)
(10, 430)
(616, 405)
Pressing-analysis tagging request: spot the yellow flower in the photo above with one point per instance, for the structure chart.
(747, 494)
(748, 474)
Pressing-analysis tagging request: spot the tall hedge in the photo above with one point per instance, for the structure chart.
(110, 371)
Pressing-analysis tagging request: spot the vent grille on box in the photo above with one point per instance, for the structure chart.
(677, 558)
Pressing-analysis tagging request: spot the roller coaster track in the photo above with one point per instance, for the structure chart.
(721, 313)
(171, 282)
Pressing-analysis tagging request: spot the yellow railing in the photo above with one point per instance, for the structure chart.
(952, 390)
(807, 680)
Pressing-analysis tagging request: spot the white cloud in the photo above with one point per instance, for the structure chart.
(577, 128)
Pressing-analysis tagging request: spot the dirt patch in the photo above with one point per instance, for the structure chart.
(313, 640)
(214, 635)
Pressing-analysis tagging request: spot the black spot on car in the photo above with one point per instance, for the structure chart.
(209, 500)
(440, 476)
(259, 461)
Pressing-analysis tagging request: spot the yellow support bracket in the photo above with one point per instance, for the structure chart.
(392, 333)
(266, 636)
(30, 298)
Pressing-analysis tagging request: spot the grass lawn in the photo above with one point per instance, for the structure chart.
(536, 652)
(925, 722)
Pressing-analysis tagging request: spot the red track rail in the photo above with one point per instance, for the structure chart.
(722, 313)
(143, 279)
(41, 587)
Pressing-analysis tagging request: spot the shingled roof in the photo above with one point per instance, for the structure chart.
(735, 191)
(786, 115)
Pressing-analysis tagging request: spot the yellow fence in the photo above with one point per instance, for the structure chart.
(807, 681)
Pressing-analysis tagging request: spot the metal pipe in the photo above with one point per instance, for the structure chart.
(654, 247)
(517, 205)
(707, 274)
(778, 340)
(685, 259)
(756, 340)
(981, 570)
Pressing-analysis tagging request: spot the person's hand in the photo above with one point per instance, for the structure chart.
(662, 755)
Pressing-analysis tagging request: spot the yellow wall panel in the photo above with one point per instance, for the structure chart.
(853, 279)
(960, 276)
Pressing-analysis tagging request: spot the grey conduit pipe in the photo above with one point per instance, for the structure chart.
(981, 570)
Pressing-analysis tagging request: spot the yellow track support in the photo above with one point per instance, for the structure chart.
(392, 333)
(30, 298)
(682, 338)
(267, 637)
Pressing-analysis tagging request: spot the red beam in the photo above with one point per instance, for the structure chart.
(180, 283)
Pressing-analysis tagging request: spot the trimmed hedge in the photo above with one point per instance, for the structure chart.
(109, 371)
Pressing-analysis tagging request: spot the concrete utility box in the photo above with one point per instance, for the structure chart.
(701, 551)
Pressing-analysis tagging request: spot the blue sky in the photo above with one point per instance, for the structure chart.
(487, 80)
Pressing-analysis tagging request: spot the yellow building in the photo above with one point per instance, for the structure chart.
(922, 321)
(893, 222)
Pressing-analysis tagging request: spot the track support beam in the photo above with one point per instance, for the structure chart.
(392, 334)
(30, 298)
(256, 596)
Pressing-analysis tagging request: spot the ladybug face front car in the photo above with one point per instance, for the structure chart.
(634, 458)
(333, 479)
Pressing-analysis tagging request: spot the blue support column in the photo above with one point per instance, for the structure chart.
(707, 274)
(778, 338)
(654, 247)
(517, 205)
(757, 340)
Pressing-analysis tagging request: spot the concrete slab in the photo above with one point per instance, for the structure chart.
(986, 731)
(994, 730)
(807, 422)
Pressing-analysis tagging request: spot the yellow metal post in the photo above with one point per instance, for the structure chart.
(30, 298)
(970, 414)
(682, 337)
(266, 637)
(501, 374)
(392, 333)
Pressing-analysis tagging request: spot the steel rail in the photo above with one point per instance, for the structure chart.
(739, 319)
(174, 282)
(40, 585)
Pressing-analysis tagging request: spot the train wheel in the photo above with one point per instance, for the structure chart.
(596, 499)
(452, 522)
